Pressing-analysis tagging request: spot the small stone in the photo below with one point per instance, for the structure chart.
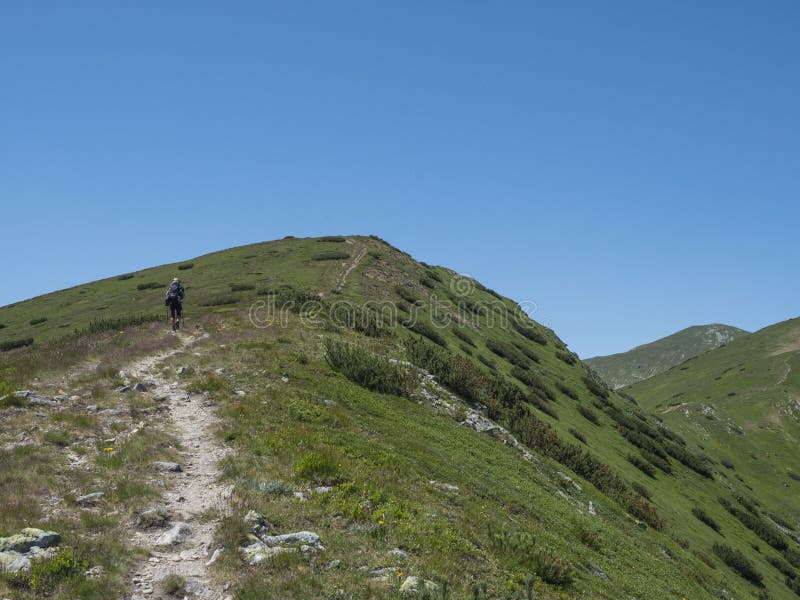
(239, 393)
(14, 562)
(334, 564)
(141, 387)
(398, 553)
(123, 389)
(257, 522)
(259, 552)
(74, 398)
(90, 499)
(214, 557)
(179, 533)
(299, 496)
(322, 489)
(301, 537)
(592, 509)
(167, 467)
(91, 408)
(95, 572)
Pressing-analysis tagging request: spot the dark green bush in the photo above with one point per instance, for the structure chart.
(487, 361)
(508, 405)
(596, 388)
(792, 475)
(704, 517)
(641, 464)
(738, 562)
(566, 390)
(152, 285)
(337, 239)
(588, 414)
(463, 336)
(185, 266)
(578, 435)
(369, 370)
(641, 490)
(14, 344)
(728, 464)
(242, 287)
(567, 357)
(656, 460)
(330, 255)
(785, 568)
(409, 295)
(757, 525)
(361, 319)
(529, 329)
(527, 352)
(536, 384)
(291, 299)
(220, 300)
(317, 467)
(466, 349)
(126, 277)
(642, 441)
(431, 274)
(38, 320)
(426, 329)
(793, 583)
(427, 282)
(509, 352)
(690, 460)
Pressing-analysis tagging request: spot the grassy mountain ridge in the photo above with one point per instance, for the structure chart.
(333, 392)
(645, 361)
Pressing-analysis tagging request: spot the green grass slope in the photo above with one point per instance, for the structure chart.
(592, 497)
(742, 402)
(643, 362)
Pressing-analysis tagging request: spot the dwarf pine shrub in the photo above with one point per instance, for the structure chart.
(369, 370)
(424, 328)
(185, 266)
(463, 336)
(705, 518)
(242, 287)
(738, 562)
(151, 285)
(14, 344)
(125, 277)
(330, 255)
(38, 320)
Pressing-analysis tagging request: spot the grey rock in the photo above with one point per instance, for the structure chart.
(259, 552)
(112, 412)
(123, 389)
(167, 467)
(287, 539)
(91, 408)
(90, 499)
(153, 518)
(592, 509)
(28, 538)
(257, 522)
(322, 489)
(141, 387)
(382, 572)
(178, 534)
(35, 399)
(14, 562)
(398, 553)
(598, 572)
(334, 564)
(239, 393)
(94, 572)
(412, 585)
(216, 554)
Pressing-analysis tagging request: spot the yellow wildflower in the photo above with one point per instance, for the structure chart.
(109, 449)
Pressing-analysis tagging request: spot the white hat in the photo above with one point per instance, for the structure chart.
(174, 279)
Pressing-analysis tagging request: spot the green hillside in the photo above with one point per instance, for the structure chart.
(453, 439)
(643, 362)
(742, 403)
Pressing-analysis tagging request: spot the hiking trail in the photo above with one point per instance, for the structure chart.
(193, 497)
(343, 277)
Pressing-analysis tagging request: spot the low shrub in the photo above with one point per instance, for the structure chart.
(705, 518)
(641, 490)
(578, 435)
(294, 300)
(426, 329)
(509, 352)
(330, 255)
(38, 320)
(588, 414)
(641, 464)
(567, 357)
(793, 583)
(336, 239)
(152, 285)
(317, 467)
(728, 464)
(536, 384)
(220, 300)
(14, 344)
(431, 274)
(409, 295)
(463, 336)
(694, 462)
(466, 349)
(242, 287)
(763, 529)
(738, 562)
(369, 370)
(185, 266)
(125, 277)
(566, 390)
(792, 475)
(361, 319)
(596, 388)
(487, 361)
(528, 329)
(527, 351)
(781, 565)
(657, 461)
(427, 282)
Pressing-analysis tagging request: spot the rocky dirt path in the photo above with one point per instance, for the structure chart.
(194, 499)
(344, 275)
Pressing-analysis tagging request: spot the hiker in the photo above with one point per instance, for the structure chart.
(174, 299)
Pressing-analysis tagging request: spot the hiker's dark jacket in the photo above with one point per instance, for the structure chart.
(174, 293)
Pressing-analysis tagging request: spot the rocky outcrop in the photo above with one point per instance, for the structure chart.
(17, 551)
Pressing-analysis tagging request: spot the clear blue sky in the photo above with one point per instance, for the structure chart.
(632, 167)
